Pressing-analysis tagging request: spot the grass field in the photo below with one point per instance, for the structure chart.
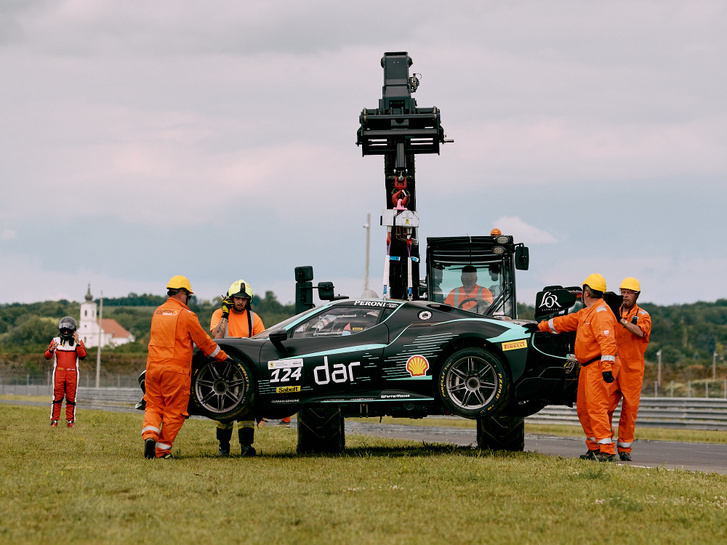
(92, 485)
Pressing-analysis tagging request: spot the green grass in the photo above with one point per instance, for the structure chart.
(92, 485)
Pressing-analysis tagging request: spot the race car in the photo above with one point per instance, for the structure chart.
(371, 357)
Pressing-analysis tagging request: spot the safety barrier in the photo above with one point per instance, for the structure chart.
(662, 412)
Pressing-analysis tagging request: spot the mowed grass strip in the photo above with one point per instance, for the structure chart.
(92, 485)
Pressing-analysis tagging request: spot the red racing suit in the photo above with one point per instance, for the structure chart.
(65, 376)
(631, 350)
(595, 344)
(174, 329)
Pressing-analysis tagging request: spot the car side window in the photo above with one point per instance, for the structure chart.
(338, 322)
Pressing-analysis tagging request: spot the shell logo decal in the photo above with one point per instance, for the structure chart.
(417, 366)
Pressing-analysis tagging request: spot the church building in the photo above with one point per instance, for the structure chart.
(110, 332)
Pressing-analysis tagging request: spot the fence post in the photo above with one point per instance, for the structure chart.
(671, 394)
(656, 388)
(706, 388)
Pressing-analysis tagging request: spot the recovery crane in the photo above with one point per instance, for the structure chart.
(399, 130)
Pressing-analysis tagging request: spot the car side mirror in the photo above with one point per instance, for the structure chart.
(277, 338)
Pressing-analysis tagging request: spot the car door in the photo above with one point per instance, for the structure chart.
(333, 354)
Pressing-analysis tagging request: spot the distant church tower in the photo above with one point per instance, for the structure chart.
(112, 333)
(88, 328)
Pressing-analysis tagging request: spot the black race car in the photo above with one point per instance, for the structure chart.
(365, 357)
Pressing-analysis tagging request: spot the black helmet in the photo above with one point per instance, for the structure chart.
(67, 323)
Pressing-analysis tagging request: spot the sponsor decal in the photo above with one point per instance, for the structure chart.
(425, 315)
(285, 370)
(417, 366)
(284, 364)
(515, 345)
(338, 372)
(550, 302)
(384, 304)
(395, 396)
(287, 389)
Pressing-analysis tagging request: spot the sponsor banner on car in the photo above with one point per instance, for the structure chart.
(285, 364)
(417, 366)
(287, 389)
(515, 345)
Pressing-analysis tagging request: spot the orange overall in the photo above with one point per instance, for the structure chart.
(631, 350)
(168, 371)
(458, 295)
(595, 349)
(238, 324)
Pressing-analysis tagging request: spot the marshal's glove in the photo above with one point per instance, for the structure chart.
(608, 376)
(227, 304)
(531, 328)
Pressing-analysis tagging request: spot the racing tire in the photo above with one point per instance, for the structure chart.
(321, 430)
(501, 433)
(221, 390)
(474, 383)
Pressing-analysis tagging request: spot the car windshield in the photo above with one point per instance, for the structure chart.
(338, 321)
(468, 287)
(282, 325)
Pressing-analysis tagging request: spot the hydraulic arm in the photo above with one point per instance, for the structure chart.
(398, 130)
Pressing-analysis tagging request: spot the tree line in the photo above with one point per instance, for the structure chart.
(688, 334)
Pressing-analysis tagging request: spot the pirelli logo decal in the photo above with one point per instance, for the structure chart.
(515, 345)
(287, 389)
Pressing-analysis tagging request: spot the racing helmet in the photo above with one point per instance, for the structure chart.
(178, 282)
(67, 327)
(240, 288)
(630, 283)
(67, 323)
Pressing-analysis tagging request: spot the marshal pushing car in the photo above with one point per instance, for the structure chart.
(372, 357)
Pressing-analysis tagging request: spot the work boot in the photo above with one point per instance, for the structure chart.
(223, 436)
(54, 423)
(71, 424)
(247, 450)
(590, 455)
(150, 446)
(603, 457)
(625, 456)
(167, 456)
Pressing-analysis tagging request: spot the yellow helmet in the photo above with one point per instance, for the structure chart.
(595, 281)
(240, 288)
(178, 282)
(630, 283)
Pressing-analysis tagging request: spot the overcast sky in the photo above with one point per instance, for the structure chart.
(139, 140)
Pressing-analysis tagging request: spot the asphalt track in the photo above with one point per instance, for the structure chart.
(705, 457)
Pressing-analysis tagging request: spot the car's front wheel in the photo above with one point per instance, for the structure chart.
(474, 383)
(222, 390)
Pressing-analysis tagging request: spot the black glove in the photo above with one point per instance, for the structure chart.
(608, 376)
(531, 328)
(227, 304)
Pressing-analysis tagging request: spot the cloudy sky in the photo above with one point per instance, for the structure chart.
(216, 139)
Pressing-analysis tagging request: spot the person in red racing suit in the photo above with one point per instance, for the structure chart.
(66, 350)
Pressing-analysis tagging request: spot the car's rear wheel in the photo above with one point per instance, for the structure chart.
(501, 433)
(222, 390)
(474, 383)
(321, 430)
